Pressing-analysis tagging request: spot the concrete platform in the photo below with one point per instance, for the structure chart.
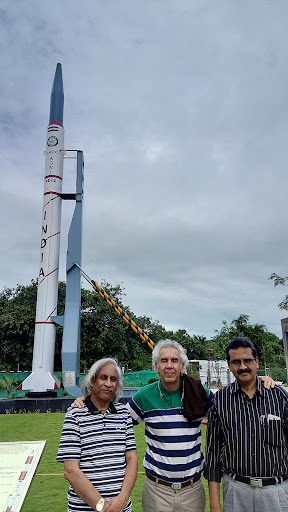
(32, 405)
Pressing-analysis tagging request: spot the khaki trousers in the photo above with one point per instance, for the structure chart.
(159, 498)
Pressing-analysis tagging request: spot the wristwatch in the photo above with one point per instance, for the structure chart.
(100, 504)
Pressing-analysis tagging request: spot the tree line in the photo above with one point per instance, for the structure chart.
(103, 333)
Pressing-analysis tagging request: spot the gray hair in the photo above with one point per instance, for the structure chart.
(86, 385)
(169, 343)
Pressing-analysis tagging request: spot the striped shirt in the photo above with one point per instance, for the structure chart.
(99, 441)
(173, 443)
(247, 436)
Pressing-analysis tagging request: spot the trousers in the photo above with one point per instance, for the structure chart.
(239, 497)
(159, 498)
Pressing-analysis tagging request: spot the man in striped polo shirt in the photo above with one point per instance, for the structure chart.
(247, 439)
(174, 459)
(97, 445)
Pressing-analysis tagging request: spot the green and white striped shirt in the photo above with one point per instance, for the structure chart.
(173, 443)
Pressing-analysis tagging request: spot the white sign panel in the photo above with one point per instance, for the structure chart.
(18, 463)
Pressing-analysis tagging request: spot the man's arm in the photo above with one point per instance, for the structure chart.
(214, 494)
(118, 503)
(70, 453)
(81, 484)
(212, 470)
(135, 409)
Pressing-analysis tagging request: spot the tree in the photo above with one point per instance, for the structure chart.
(17, 321)
(269, 346)
(103, 331)
(199, 346)
(9, 384)
(196, 346)
(283, 305)
(17, 325)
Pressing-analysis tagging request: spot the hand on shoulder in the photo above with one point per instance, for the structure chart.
(78, 402)
(268, 381)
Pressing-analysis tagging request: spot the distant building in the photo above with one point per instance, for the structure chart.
(213, 373)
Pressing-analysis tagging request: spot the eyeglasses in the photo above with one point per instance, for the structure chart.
(238, 362)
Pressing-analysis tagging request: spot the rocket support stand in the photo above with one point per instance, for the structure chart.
(71, 321)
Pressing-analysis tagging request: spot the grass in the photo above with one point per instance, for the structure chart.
(48, 490)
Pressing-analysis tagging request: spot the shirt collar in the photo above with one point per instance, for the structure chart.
(94, 410)
(234, 387)
(165, 391)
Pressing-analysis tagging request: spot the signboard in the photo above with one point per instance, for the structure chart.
(18, 463)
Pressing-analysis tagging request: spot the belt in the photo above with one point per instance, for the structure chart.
(174, 485)
(258, 482)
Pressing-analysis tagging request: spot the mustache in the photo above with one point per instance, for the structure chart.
(243, 371)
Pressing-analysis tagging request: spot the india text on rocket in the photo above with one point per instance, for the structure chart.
(42, 378)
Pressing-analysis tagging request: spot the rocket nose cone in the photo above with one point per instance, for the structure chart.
(58, 74)
(57, 96)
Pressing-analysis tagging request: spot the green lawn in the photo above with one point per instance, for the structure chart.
(49, 488)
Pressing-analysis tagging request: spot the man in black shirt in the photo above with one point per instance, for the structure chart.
(247, 439)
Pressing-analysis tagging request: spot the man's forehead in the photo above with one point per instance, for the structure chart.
(169, 352)
(245, 351)
(108, 369)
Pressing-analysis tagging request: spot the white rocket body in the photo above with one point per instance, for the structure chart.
(42, 379)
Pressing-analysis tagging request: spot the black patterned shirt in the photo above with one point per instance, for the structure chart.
(247, 436)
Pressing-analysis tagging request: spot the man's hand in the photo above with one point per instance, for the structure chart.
(268, 381)
(78, 402)
(116, 504)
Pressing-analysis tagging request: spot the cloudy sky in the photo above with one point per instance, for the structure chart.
(181, 110)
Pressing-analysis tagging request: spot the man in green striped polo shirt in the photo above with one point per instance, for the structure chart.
(174, 460)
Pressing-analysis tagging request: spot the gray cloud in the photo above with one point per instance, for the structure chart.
(181, 111)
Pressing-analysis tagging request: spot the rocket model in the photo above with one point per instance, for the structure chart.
(42, 379)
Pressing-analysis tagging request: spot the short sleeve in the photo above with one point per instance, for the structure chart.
(70, 445)
(134, 407)
(130, 438)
